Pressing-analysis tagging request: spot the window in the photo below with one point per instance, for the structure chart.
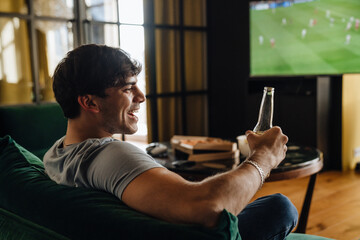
(36, 34)
(176, 48)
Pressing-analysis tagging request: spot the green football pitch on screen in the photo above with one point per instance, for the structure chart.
(317, 37)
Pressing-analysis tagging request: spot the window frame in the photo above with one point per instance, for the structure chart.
(150, 29)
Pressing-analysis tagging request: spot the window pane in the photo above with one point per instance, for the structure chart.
(15, 72)
(132, 41)
(166, 12)
(15, 6)
(195, 60)
(54, 8)
(196, 112)
(194, 13)
(167, 61)
(104, 34)
(101, 10)
(131, 11)
(54, 41)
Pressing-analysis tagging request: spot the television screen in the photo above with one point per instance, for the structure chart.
(304, 37)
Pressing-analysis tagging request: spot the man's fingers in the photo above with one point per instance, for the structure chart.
(250, 136)
(278, 130)
(286, 139)
(285, 150)
(249, 132)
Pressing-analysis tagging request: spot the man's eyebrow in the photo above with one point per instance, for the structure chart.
(132, 83)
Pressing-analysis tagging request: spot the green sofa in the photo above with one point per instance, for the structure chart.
(34, 207)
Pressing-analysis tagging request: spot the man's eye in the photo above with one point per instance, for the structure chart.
(129, 89)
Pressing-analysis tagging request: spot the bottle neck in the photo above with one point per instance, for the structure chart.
(266, 113)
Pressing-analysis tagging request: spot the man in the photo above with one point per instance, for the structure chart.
(96, 86)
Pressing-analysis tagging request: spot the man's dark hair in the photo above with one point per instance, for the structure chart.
(90, 69)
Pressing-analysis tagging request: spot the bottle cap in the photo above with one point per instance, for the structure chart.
(269, 89)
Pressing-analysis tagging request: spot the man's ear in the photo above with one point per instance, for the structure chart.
(88, 103)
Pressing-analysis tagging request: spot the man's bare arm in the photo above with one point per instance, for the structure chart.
(166, 195)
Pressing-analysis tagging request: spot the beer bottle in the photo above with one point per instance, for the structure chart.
(266, 111)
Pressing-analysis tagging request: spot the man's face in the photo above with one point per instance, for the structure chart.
(119, 107)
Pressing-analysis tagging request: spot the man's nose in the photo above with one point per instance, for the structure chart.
(139, 97)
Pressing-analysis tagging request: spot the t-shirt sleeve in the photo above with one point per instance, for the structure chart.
(116, 165)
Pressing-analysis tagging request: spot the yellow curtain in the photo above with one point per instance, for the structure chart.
(167, 12)
(16, 87)
(195, 78)
(168, 80)
(194, 13)
(45, 80)
(350, 121)
(17, 6)
(168, 69)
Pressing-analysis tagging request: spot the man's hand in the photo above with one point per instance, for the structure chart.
(267, 149)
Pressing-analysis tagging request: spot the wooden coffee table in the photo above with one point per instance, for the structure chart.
(299, 162)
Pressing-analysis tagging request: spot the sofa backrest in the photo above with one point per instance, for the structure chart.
(34, 126)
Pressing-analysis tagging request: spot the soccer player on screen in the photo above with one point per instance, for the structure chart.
(261, 40)
(347, 39)
(272, 42)
(303, 33)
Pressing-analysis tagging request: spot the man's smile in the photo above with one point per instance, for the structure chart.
(131, 113)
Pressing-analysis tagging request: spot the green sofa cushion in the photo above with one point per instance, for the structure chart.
(13, 227)
(34, 126)
(79, 213)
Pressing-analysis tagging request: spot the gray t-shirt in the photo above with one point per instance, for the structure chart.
(106, 164)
